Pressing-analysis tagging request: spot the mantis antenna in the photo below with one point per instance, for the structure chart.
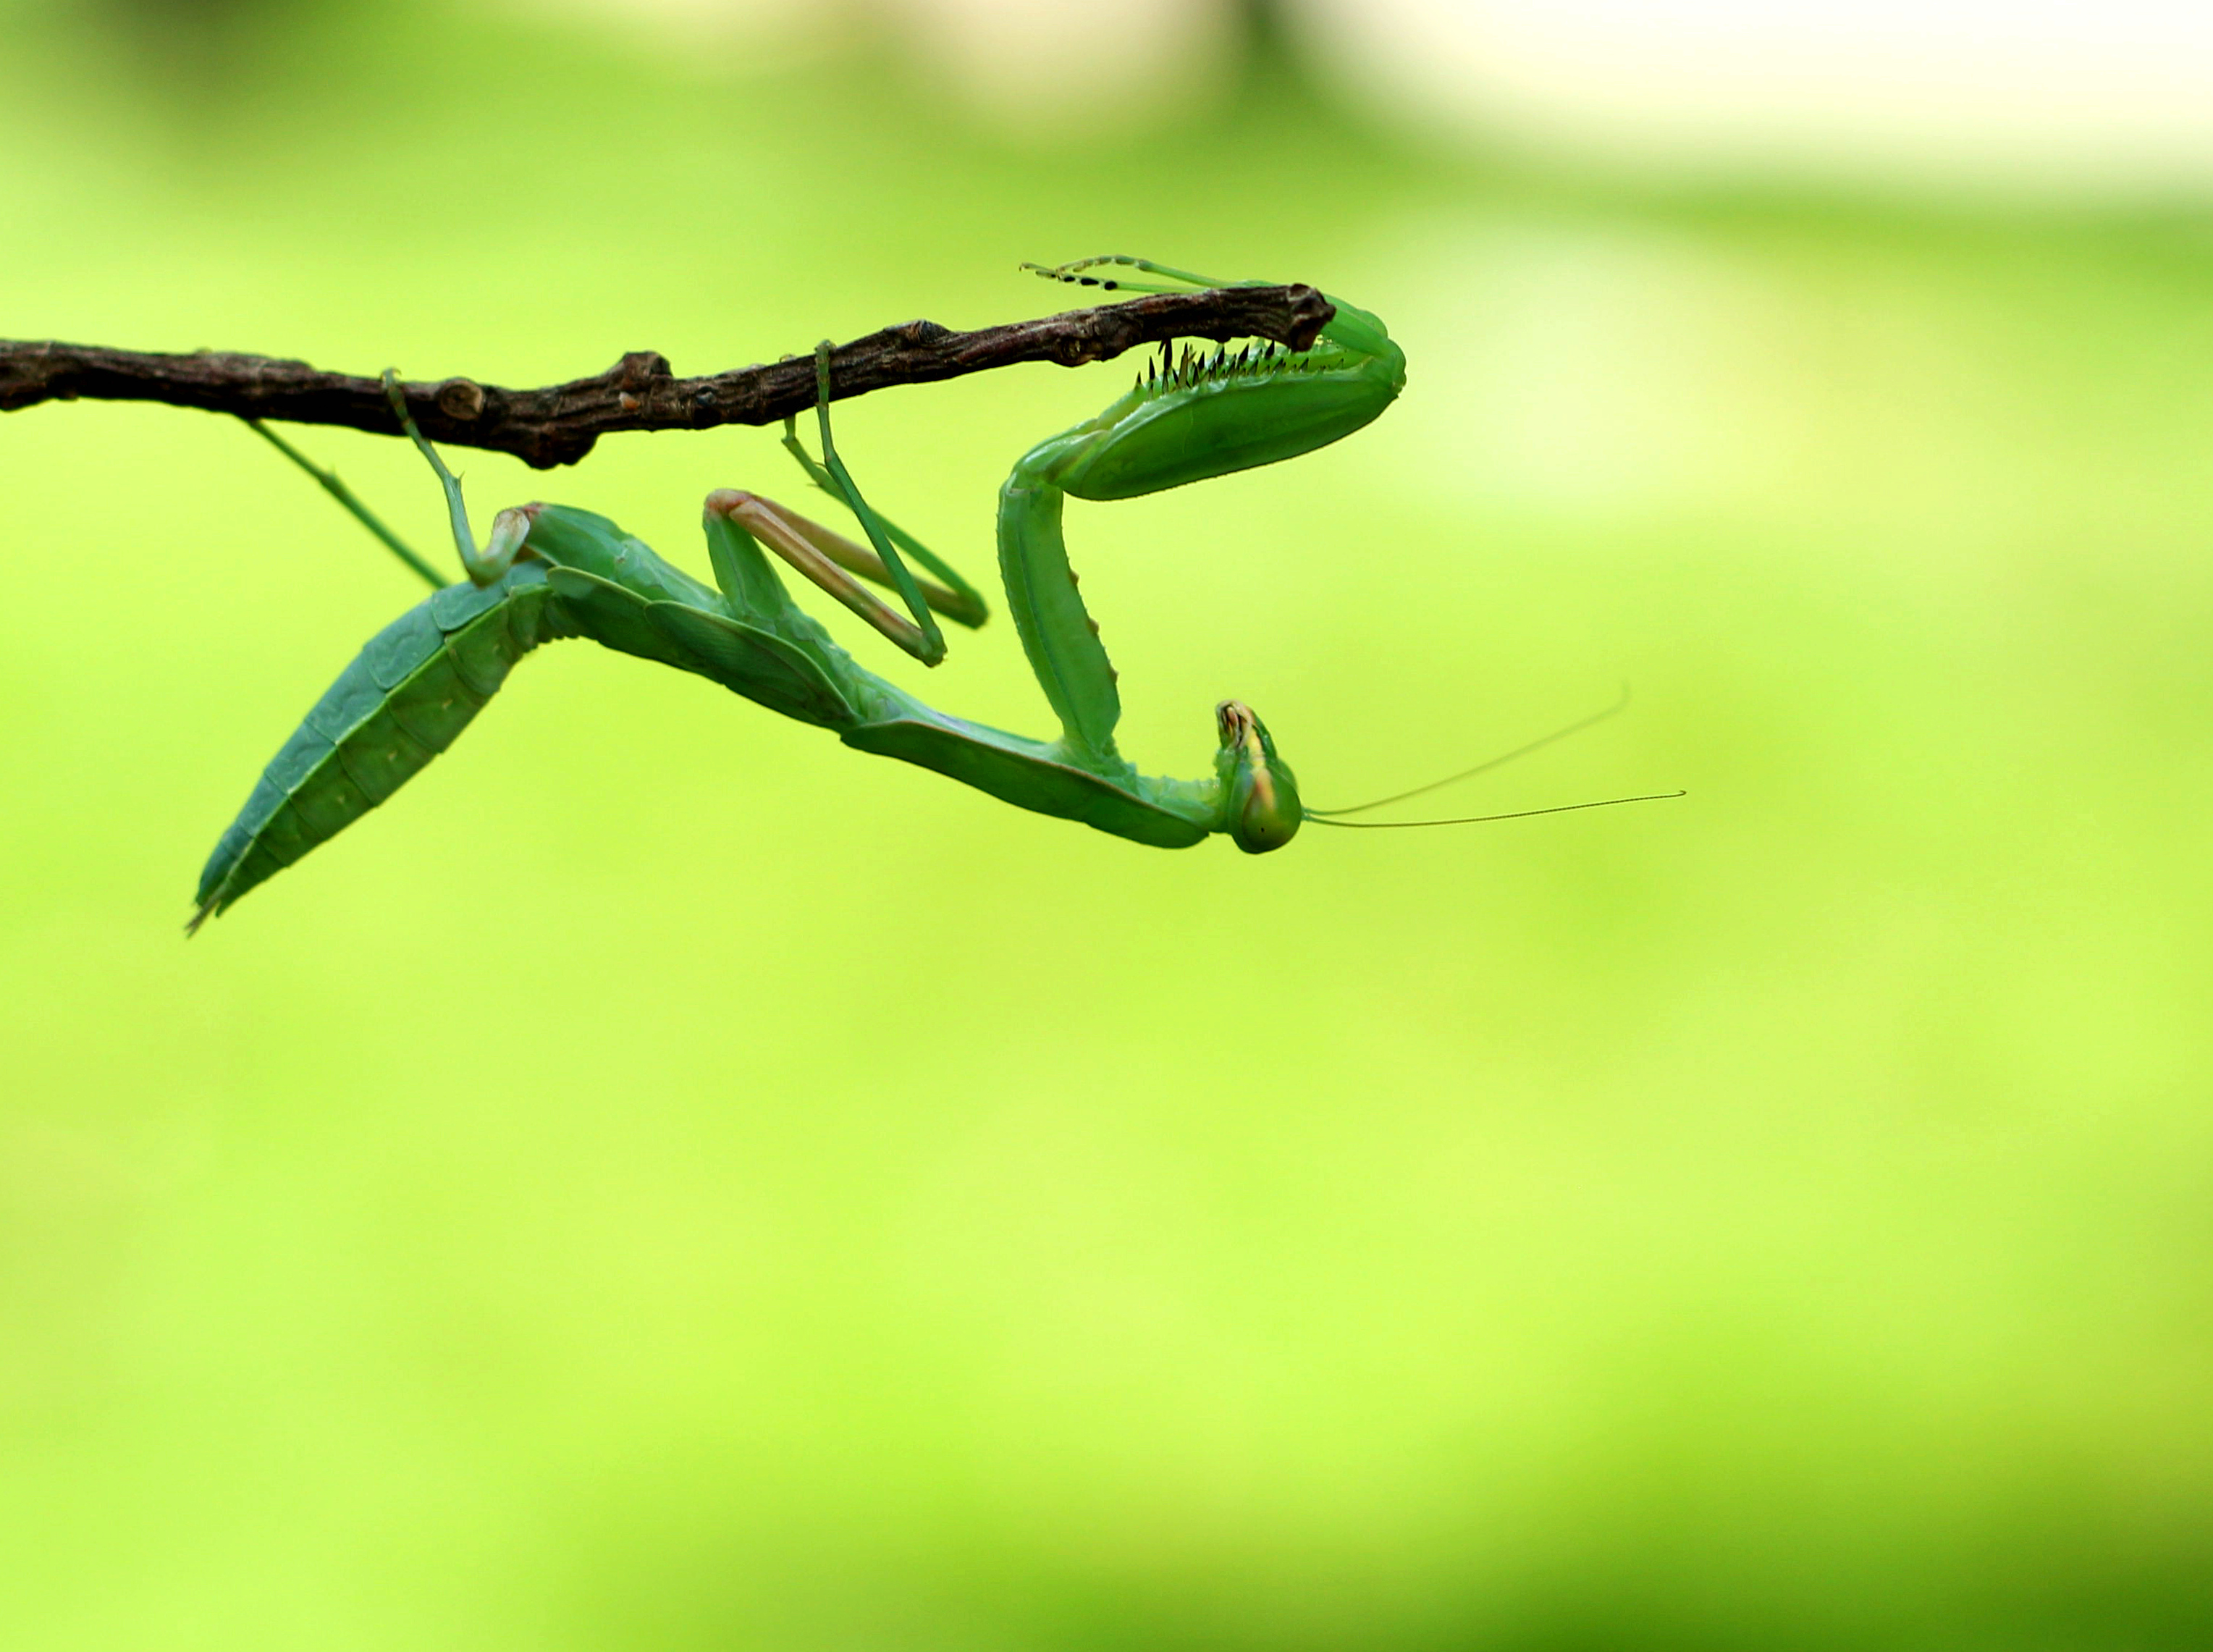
(1478, 819)
(1576, 728)
(1325, 816)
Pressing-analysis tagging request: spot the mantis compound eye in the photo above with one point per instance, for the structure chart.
(1260, 796)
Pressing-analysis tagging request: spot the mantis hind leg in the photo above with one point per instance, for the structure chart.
(328, 481)
(1072, 273)
(510, 528)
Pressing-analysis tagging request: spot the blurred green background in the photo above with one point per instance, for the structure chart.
(670, 1181)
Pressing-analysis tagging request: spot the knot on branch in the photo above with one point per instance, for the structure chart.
(460, 398)
(638, 369)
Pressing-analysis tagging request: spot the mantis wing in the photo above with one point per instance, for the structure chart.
(405, 698)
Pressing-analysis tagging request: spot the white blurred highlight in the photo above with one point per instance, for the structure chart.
(729, 31)
(1036, 65)
(2042, 93)
(1959, 90)
(1041, 60)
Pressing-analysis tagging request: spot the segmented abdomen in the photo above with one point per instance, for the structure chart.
(408, 694)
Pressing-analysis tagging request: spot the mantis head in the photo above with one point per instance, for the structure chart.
(1260, 796)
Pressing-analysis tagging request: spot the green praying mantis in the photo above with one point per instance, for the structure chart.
(547, 572)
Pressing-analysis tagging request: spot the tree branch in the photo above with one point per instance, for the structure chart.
(557, 424)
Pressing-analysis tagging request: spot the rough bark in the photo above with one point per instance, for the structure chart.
(557, 424)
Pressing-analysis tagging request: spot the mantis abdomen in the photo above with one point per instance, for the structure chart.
(404, 699)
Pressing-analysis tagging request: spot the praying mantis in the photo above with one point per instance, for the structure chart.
(548, 572)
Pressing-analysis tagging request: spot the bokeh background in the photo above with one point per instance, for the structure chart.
(667, 1181)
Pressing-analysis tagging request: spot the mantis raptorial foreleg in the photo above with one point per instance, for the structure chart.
(1071, 273)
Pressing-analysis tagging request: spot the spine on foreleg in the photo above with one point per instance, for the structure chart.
(410, 691)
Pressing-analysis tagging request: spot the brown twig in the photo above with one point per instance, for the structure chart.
(557, 424)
